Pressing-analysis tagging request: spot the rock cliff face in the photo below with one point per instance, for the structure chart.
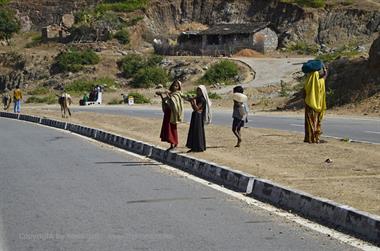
(331, 26)
(35, 14)
(324, 26)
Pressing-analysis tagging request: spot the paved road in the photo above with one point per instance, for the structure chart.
(60, 192)
(354, 128)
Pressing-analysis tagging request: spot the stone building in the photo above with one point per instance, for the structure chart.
(227, 39)
(58, 31)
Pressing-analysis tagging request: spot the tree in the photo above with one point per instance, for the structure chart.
(8, 24)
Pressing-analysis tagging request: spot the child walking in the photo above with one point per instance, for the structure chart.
(239, 114)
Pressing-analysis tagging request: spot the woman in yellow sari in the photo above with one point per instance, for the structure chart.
(315, 105)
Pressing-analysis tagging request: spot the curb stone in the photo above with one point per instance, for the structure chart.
(341, 217)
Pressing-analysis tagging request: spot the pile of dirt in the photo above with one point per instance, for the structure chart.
(248, 53)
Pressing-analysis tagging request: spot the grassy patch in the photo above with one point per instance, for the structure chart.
(74, 60)
(307, 3)
(84, 86)
(224, 71)
(40, 90)
(139, 98)
(50, 99)
(303, 48)
(122, 5)
(347, 51)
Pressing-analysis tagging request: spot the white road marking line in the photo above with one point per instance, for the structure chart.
(347, 239)
(372, 132)
(297, 125)
(3, 243)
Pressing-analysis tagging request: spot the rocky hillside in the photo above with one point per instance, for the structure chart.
(35, 14)
(332, 25)
(351, 83)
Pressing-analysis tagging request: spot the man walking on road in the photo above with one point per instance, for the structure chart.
(17, 97)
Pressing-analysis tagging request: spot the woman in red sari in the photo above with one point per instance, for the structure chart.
(172, 106)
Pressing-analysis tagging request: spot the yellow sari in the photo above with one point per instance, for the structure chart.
(315, 106)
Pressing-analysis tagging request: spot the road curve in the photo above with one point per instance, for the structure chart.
(60, 192)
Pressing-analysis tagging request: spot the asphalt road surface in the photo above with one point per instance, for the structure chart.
(61, 192)
(359, 129)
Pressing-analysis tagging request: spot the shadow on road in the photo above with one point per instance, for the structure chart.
(130, 163)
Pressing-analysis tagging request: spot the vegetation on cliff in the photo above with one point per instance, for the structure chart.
(144, 71)
(8, 22)
(122, 5)
(74, 60)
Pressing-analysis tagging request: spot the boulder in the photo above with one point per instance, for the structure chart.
(374, 54)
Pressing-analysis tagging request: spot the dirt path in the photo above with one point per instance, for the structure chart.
(272, 70)
(353, 177)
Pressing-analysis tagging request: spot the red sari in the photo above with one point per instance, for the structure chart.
(168, 130)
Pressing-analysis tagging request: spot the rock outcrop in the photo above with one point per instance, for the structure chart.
(374, 55)
(330, 26)
(35, 14)
(349, 81)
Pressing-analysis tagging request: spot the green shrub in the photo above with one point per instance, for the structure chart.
(121, 5)
(40, 90)
(122, 36)
(224, 71)
(8, 23)
(50, 99)
(150, 77)
(345, 51)
(154, 60)
(81, 86)
(4, 2)
(138, 98)
(75, 60)
(132, 63)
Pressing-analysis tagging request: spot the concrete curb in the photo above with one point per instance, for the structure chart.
(341, 217)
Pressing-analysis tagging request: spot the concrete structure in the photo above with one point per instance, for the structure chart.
(227, 39)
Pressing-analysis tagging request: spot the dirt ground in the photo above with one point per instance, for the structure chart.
(353, 177)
